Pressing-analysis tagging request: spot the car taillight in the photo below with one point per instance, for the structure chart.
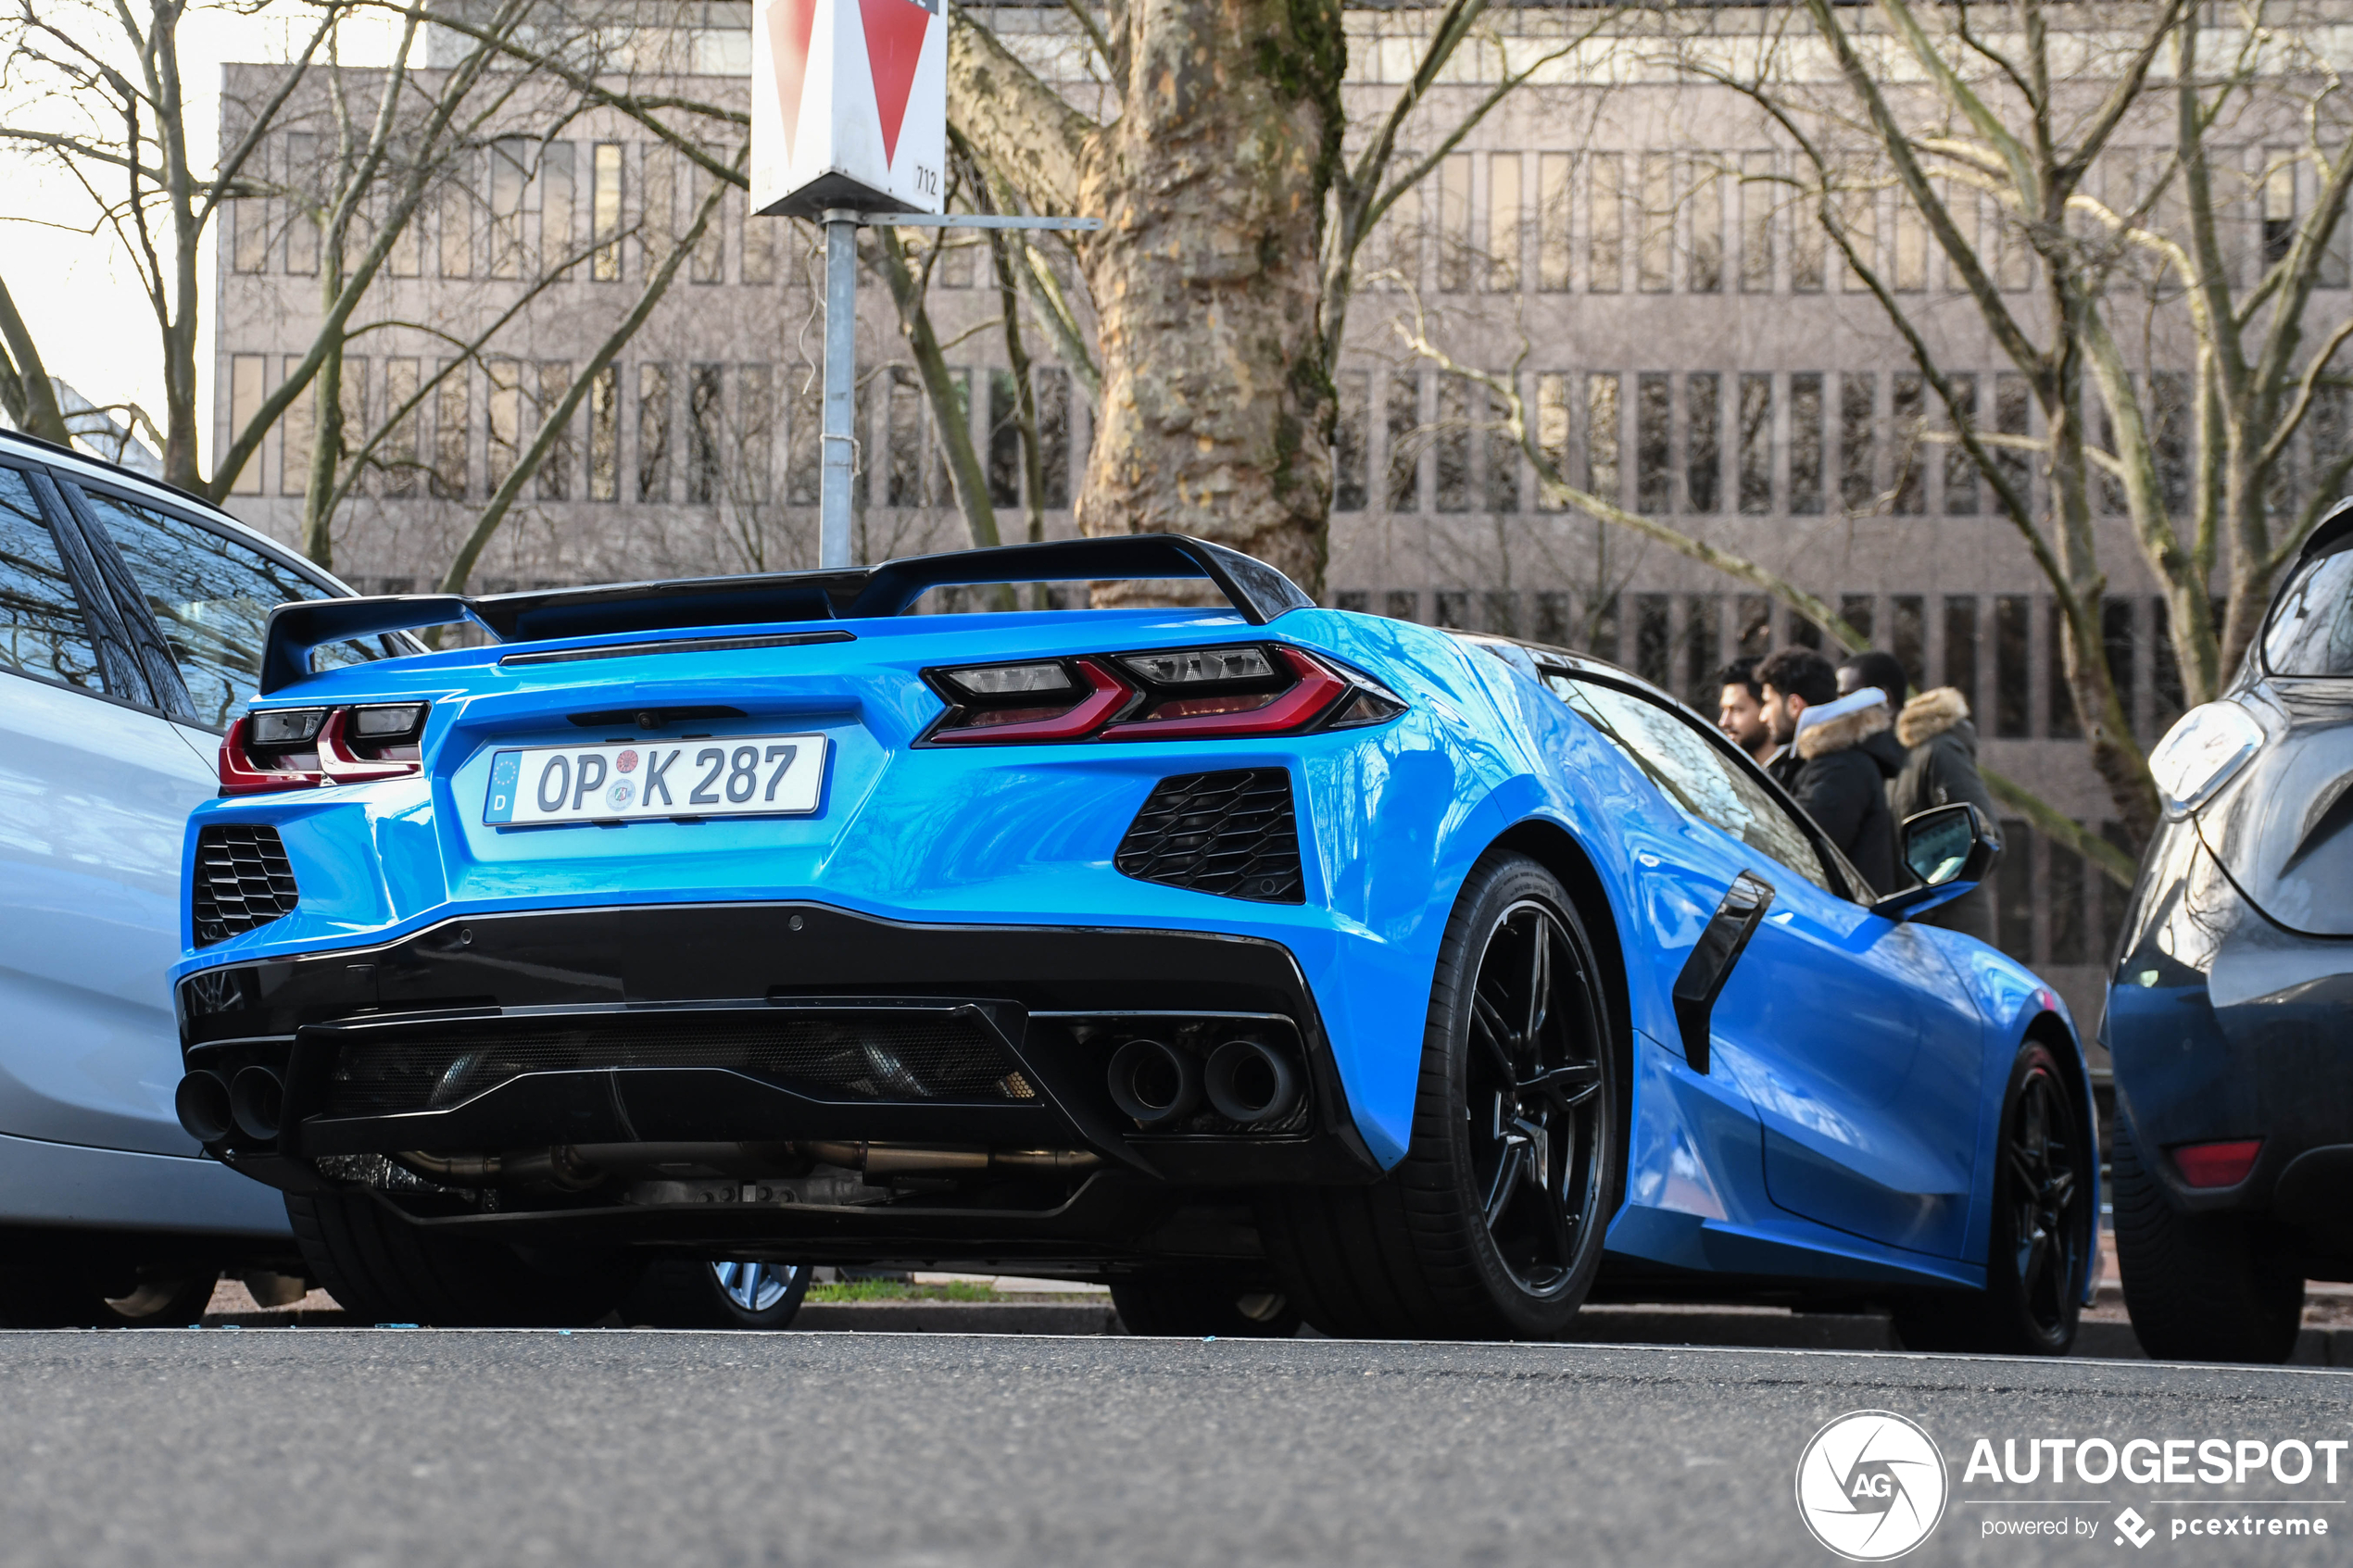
(1209, 693)
(2216, 1165)
(283, 749)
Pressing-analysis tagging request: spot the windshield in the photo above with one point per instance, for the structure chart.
(2312, 628)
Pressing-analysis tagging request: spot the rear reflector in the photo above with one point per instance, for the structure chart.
(2216, 1165)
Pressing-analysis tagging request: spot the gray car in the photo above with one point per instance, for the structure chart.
(131, 626)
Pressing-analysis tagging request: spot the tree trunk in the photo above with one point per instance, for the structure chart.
(1217, 411)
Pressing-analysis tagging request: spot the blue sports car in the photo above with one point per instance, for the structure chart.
(1270, 962)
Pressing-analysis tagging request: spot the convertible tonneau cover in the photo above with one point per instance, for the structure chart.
(1255, 589)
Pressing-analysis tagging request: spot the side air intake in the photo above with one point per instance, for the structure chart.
(1231, 833)
(243, 880)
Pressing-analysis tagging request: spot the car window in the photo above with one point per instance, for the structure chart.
(1692, 772)
(212, 595)
(2311, 632)
(42, 632)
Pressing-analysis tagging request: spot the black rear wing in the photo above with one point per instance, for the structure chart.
(1256, 590)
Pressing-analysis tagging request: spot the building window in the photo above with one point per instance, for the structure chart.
(2013, 257)
(755, 438)
(1404, 424)
(405, 258)
(1757, 201)
(1401, 605)
(1457, 249)
(1553, 435)
(1705, 273)
(397, 454)
(904, 440)
(1501, 455)
(1053, 387)
(1752, 626)
(249, 246)
(1502, 607)
(302, 221)
(452, 423)
(1908, 635)
(1350, 441)
(653, 432)
(1908, 411)
(294, 432)
(2062, 697)
(1653, 444)
(1911, 247)
(706, 437)
(604, 435)
(1503, 222)
(1856, 610)
(2069, 931)
(1452, 609)
(804, 460)
(1702, 648)
(1602, 428)
(2012, 717)
(1451, 442)
(604, 213)
(1605, 223)
(510, 179)
(1960, 646)
(1960, 469)
(556, 204)
(1651, 643)
(1004, 439)
(1603, 641)
(1553, 186)
(1356, 601)
(2013, 415)
(2172, 403)
(1703, 443)
(1400, 238)
(1858, 217)
(505, 379)
(1757, 442)
(708, 262)
(1552, 619)
(555, 474)
(1654, 254)
(657, 204)
(2115, 639)
(1808, 248)
(2278, 203)
(1805, 444)
(1858, 441)
(455, 219)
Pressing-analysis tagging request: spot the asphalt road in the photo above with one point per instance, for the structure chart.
(411, 1449)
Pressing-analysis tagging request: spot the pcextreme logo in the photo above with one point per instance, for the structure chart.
(1871, 1486)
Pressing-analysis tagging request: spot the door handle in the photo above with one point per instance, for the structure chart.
(1713, 956)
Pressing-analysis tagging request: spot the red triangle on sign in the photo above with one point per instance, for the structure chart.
(895, 31)
(789, 24)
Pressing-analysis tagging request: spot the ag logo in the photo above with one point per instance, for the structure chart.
(1871, 1486)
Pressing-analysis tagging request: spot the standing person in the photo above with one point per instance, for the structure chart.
(1939, 769)
(1824, 764)
(1739, 710)
(1884, 670)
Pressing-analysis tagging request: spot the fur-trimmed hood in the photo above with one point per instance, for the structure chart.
(1929, 714)
(1844, 727)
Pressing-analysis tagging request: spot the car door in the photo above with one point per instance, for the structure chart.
(1851, 1037)
(95, 784)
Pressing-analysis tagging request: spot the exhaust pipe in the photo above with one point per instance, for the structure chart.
(257, 1103)
(560, 1165)
(893, 1160)
(1250, 1083)
(1154, 1083)
(202, 1101)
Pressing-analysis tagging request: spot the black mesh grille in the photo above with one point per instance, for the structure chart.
(1231, 833)
(873, 1056)
(242, 881)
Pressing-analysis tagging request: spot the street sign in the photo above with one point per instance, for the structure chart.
(849, 106)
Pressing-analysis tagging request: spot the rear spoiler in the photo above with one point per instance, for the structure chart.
(1256, 590)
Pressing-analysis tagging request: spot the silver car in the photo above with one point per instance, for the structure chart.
(131, 626)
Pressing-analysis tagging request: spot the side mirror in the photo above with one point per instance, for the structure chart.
(1948, 849)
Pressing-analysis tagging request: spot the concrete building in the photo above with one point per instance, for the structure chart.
(1615, 238)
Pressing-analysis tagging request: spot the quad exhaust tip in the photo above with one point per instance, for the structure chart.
(1154, 1083)
(1250, 1081)
(257, 1103)
(202, 1102)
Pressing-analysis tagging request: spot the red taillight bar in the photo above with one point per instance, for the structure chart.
(337, 761)
(1317, 689)
(239, 776)
(1108, 694)
(338, 764)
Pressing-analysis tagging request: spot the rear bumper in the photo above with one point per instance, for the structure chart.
(630, 1025)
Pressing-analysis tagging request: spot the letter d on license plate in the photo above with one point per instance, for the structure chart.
(728, 776)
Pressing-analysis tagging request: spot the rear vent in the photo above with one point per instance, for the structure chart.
(908, 1058)
(1230, 832)
(242, 881)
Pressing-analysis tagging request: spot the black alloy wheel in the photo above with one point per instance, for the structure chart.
(1492, 1226)
(701, 1293)
(2040, 1253)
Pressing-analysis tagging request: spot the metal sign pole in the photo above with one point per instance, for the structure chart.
(838, 445)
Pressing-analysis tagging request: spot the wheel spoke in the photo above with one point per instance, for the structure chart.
(1540, 976)
(1487, 1022)
(1506, 1182)
(1567, 1085)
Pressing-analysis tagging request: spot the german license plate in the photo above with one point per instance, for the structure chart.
(730, 776)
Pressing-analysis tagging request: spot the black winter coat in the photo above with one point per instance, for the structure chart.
(1841, 780)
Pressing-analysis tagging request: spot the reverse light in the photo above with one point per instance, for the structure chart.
(2201, 752)
(2216, 1165)
(1236, 690)
(305, 747)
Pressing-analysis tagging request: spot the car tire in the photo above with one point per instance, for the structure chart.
(2195, 1289)
(1492, 1225)
(2039, 1253)
(71, 1296)
(382, 1269)
(706, 1293)
(1204, 1306)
